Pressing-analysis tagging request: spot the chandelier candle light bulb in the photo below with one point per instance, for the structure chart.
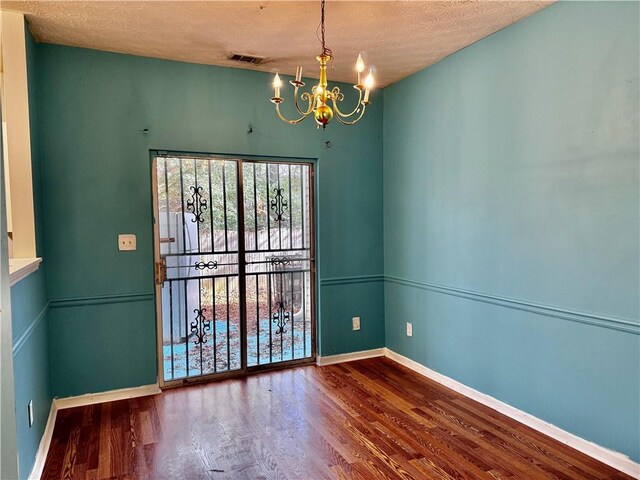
(360, 69)
(320, 95)
(277, 83)
(368, 85)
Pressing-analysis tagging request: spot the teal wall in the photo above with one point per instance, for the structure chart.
(510, 200)
(511, 208)
(93, 108)
(29, 308)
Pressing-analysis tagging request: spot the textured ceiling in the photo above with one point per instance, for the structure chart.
(399, 37)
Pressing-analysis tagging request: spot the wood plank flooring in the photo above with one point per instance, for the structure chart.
(368, 419)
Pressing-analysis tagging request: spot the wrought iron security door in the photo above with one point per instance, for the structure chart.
(234, 265)
(279, 254)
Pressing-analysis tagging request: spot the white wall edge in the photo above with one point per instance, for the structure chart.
(349, 357)
(614, 459)
(109, 396)
(45, 443)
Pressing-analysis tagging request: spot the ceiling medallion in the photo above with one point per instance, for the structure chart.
(319, 96)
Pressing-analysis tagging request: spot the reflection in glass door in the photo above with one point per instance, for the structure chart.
(234, 265)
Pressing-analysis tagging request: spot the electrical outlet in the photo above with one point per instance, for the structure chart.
(30, 410)
(356, 323)
(126, 242)
(409, 329)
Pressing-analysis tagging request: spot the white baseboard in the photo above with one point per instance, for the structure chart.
(110, 396)
(614, 459)
(349, 357)
(45, 442)
(79, 401)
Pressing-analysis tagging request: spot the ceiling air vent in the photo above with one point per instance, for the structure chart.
(238, 57)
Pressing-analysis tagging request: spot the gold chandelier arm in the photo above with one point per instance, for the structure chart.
(286, 120)
(304, 95)
(352, 122)
(337, 97)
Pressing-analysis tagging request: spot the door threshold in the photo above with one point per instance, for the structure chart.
(216, 377)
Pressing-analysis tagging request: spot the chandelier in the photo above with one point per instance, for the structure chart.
(317, 100)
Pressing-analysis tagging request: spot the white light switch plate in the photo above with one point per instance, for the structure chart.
(356, 323)
(30, 410)
(409, 329)
(126, 242)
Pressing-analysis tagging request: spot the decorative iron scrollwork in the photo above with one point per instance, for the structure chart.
(197, 204)
(279, 261)
(280, 317)
(279, 204)
(200, 326)
(210, 265)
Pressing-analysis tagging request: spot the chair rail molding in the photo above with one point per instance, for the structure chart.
(102, 299)
(620, 324)
(325, 282)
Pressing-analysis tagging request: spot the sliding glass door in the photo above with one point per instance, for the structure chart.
(235, 267)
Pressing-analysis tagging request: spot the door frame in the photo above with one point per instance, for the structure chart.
(313, 251)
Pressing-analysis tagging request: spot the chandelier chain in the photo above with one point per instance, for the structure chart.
(325, 49)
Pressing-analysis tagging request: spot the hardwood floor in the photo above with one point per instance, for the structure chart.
(368, 419)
